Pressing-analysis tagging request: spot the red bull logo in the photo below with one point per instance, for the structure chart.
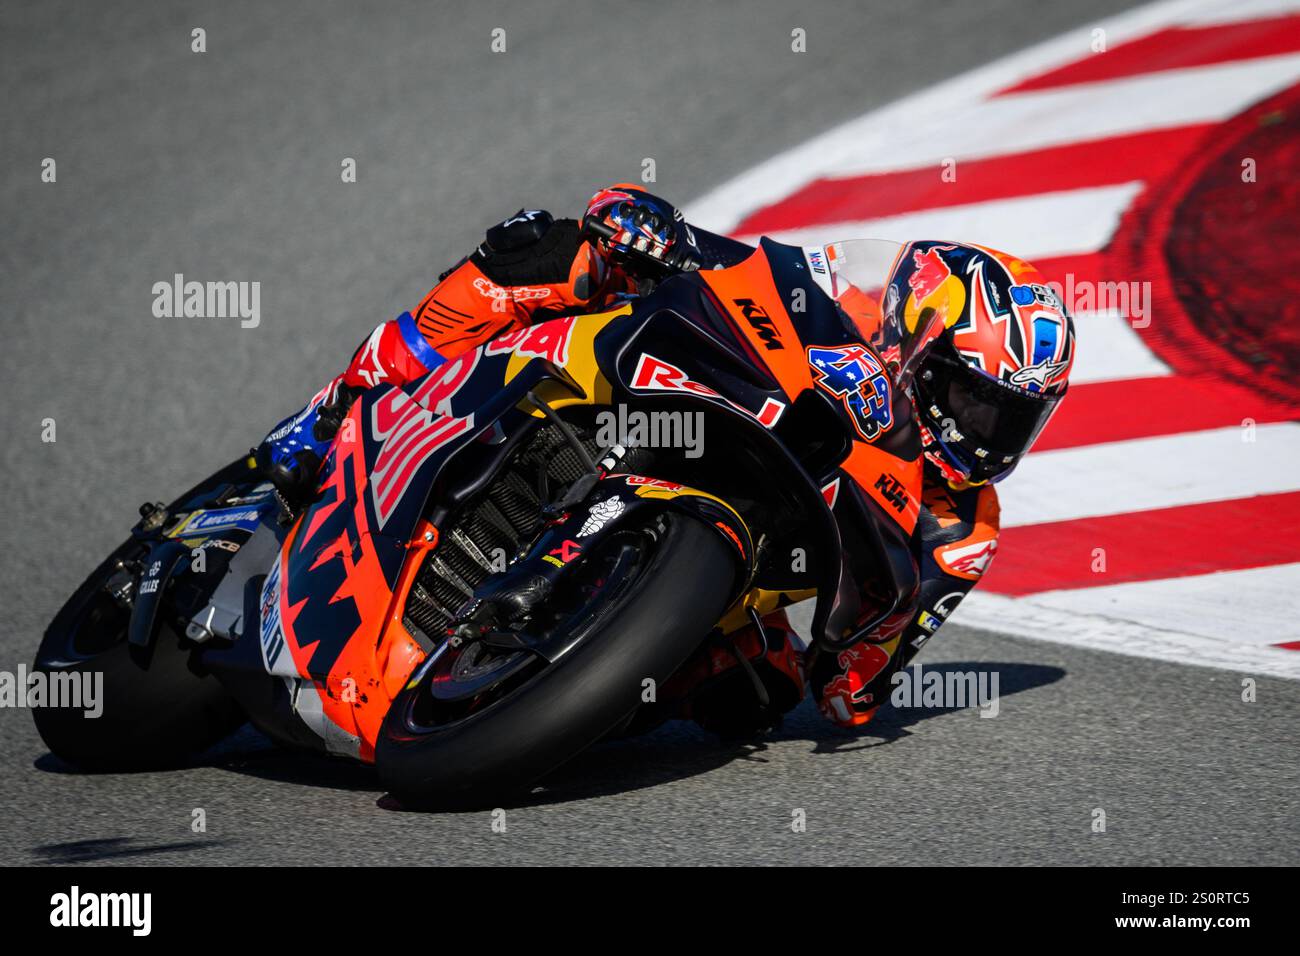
(930, 273)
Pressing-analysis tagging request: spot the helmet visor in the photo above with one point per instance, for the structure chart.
(995, 424)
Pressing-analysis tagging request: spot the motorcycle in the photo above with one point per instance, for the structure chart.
(482, 587)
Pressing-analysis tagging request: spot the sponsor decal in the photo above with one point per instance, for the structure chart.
(641, 480)
(601, 514)
(762, 323)
(272, 636)
(831, 492)
(945, 605)
(1039, 374)
(821, 267)
(546, 340)
(1034, 292)
(930, 272)
(150, 581)
(967, 560)
(225, 519)
(655, 375)
(222, 543)
(411, 428)
(564, 553)
(854, 375)
(893, 491)
(846, 697)
(519, 293)
(730, 533)
(369, 365)
(525, 215)
(891, 304)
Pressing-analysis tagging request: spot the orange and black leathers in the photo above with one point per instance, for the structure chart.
(532, 267)
(955, 539)
(529, 268)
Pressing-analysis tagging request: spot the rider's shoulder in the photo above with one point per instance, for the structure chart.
(531, 246)
(525, 228)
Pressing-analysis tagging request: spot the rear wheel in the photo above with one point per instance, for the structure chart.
(155, 712)
(482, 720)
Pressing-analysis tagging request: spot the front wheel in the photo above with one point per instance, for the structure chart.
(154, 713)
(479, 722)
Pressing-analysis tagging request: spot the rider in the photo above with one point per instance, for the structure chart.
(982, 392)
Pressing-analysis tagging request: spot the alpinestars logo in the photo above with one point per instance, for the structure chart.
(519, 293)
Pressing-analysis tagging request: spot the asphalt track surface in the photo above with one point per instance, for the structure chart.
(226, 165)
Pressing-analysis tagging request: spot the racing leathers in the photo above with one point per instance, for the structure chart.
(533, 267)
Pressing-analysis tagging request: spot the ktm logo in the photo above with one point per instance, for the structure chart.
(892, 490)
(757, 316)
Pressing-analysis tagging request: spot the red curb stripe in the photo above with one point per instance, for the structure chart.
(1175, 48)
(1104, 162)
(1098, 412)
(1147, 545)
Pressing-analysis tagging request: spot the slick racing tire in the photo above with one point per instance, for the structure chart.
(641, 622)
(153, 715)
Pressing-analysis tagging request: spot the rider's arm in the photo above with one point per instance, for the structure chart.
(955, 539)
(528, 268)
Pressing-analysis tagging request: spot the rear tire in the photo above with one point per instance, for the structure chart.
(674, 601)
(152, 716)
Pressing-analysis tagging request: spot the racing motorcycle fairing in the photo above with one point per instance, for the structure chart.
(332, 626)
(728, 344)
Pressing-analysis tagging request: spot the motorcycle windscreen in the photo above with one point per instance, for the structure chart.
(894, 297)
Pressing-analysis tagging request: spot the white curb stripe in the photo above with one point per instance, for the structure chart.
(774, 179)
(1151, 628)
(1109, 349)
(1147, 473)
(1080, 112)
(1029, 226)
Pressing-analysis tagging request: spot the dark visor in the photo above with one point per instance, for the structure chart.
(998, 419)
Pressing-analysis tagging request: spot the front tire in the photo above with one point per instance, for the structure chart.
(676, 597)
(152, 716)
